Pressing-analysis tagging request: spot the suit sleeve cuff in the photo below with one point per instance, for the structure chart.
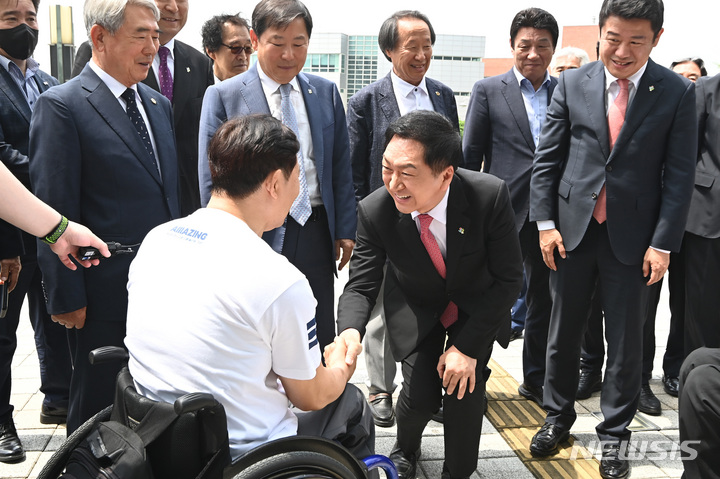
(545, 225)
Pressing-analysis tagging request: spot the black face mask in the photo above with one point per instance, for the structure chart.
(19, 42)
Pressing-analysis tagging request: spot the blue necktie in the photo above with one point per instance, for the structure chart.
(138, 122)
(300, 209)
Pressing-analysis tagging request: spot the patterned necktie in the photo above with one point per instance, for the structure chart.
(300, 209)
(616, 118)
(166, 79)
(137, 120)
(450, 315)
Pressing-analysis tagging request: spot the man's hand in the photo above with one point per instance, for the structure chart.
(335, 354)
(346, 245)
(549, 240)
(9, 271)
(352, 343)
(457, 370)
(74, 319)
(74, 237)
(655, 264)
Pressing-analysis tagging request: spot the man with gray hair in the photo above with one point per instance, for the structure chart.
(568, 58)
(103, 150)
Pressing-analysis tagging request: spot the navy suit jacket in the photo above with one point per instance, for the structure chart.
(648, 175)
(191, 77)
(15, 117)
(704, 218)
(484, 268)
(89, 163)
(369, 112)
(243, 95)
(497, 137)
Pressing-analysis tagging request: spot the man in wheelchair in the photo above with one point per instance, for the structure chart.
(213, 308)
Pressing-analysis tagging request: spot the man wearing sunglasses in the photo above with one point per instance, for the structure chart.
(226, 40)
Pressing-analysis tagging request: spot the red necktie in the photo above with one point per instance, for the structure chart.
(450, 315)
(616, 118)
(166, 80)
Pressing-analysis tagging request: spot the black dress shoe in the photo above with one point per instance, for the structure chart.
(589, 383)
(516, 334)
(53, 415)
(545, 441)
(612, 466)
(406, 464)
(533, 393)
(648, 403)
(382, 409)
(670, 385)
(11, 449)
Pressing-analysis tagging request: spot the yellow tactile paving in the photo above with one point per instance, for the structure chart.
(517, 420)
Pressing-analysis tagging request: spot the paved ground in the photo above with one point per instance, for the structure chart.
(497, 460)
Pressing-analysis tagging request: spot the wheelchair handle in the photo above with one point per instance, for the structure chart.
(193, 402)
(108, 353)
(382, 462)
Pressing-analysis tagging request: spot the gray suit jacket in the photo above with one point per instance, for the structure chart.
(704, 218)
(648, 174)
(243, 95)
(484, 268)
(497, 137)
(369, 112)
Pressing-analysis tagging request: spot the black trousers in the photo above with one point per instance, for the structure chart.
(539, 306)
(92, 388)
(623, 296)
(593, 348)
(700, 413)
(422, 395)
(50, 341)
(310, 249)
(702, 307)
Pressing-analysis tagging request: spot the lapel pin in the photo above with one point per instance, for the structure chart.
(461, 230)
(45, 83)
(153, 101)
(309, 91)
(652, 88)
(188, 69)
(437, 93)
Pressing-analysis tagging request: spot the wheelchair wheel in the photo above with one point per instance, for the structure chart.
(298, 465)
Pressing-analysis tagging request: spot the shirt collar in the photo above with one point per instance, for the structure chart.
(403, 87)
(270, 86)
(520, 78)
(634, 79)
(32, 65)
(439, 213)
(115, 86)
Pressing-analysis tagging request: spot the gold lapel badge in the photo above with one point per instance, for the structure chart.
(437, 93)
(309, 91)
(652, 88)
(188, 69)
(153, 101)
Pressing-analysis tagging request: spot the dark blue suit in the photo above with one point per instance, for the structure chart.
(497, 139)
(311, 247)
(50, 338)
(648, 176)
(89, 162)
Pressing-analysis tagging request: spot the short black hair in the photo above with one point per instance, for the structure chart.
(697, 61)
(246, 149)
(36, 4)
(652, 10)
(388, 36)
(279, 14)
(440, 140)
(212, 30)
(534, 18)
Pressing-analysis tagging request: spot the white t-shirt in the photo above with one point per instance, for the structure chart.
(212, 308)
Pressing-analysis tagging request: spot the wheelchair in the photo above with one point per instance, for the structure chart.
(195, 445)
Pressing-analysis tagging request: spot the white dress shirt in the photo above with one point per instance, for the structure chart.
(410, 97)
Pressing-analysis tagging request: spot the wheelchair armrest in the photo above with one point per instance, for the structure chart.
(107, 353)
(193, 402)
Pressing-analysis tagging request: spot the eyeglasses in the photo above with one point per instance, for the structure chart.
(235, 50)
